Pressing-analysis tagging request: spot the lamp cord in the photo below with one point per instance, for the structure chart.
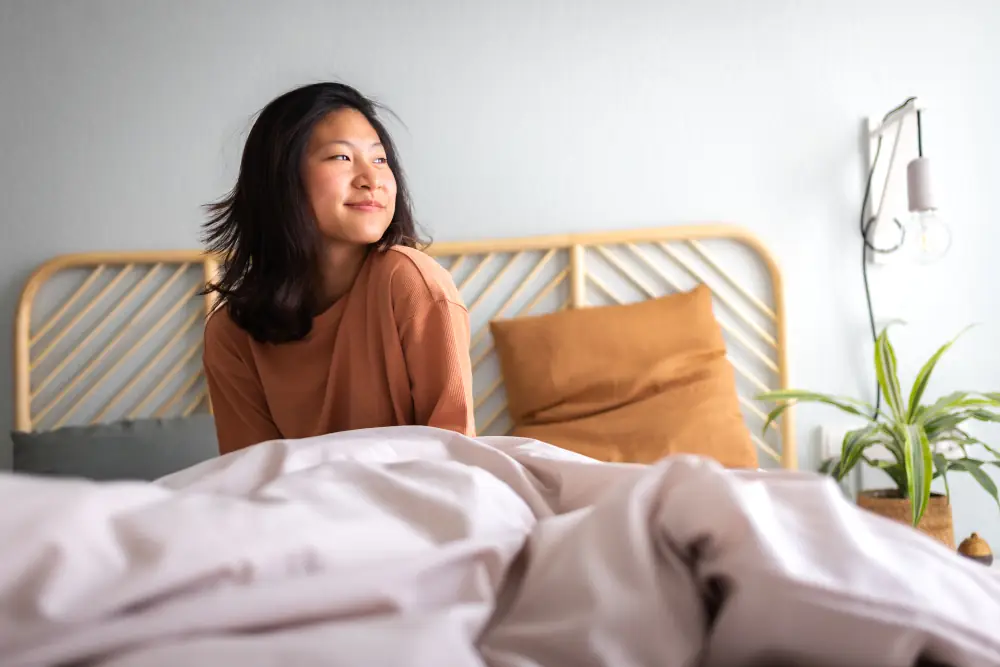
(920, 137)
(867, 246)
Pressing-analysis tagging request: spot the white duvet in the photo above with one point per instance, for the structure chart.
(413, 546)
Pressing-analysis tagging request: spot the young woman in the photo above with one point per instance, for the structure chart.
(329, 317)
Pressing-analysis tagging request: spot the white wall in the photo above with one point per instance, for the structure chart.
(119, 119)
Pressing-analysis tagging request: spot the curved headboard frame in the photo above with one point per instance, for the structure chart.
(632, 257)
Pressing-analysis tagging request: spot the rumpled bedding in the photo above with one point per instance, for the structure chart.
(415, 546)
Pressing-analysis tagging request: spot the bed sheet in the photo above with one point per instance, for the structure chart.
(415, 546)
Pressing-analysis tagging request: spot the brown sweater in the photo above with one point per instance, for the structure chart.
(392, 351)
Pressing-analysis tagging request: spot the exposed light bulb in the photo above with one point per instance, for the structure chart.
(928, 237)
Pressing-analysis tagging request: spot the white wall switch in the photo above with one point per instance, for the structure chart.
(831, 441)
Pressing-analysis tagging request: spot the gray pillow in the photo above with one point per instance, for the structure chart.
(144, 449)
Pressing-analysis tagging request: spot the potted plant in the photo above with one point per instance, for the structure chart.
(924, 441)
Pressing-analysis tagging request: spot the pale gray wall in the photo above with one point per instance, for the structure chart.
(119, 119)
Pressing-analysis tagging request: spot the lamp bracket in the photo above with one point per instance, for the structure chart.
(887, 201)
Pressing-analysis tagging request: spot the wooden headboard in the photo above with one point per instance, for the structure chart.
(108, 336)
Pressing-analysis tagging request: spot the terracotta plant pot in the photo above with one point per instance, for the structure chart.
(935, 522)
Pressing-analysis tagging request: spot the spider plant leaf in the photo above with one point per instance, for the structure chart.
(944, 405)
(974, 468)
(919, 470)
(985, 416)
(826, 468)
(888, 378)
(981, 400)
(894, 470)
(788, 397)
(955, 403)
(990, 449)
(855, 443)
(941, 465)
(924, 376)
(963, 439)
(889, 439)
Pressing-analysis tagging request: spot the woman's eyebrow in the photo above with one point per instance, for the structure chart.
(345, 142)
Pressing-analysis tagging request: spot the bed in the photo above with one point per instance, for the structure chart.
(106, 337)
(416, 546)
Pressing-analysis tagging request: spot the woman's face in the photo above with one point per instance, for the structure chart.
(350, 188)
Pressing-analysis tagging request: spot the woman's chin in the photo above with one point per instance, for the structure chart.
(371, 235)
(365, 234)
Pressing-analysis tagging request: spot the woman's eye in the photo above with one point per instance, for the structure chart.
(338, 157)
(381, 160)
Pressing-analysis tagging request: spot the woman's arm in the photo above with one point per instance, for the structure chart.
(436, 347)
(241, 414)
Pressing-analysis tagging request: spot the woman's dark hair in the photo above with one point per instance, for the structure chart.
(263, 228)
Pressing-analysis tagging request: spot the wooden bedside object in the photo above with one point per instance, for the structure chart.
(977, 549)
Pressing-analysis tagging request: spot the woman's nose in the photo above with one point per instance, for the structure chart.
(368, 179)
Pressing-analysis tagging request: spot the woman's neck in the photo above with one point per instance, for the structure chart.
(340, 265)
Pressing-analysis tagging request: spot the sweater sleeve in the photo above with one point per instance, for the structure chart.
(238, 403)
(436, 347)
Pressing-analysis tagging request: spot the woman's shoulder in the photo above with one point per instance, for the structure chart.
(413, 274)
(222, 333)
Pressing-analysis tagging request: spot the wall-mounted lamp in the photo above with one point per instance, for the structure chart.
(919, 233)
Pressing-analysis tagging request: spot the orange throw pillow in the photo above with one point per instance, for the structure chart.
(630, 383)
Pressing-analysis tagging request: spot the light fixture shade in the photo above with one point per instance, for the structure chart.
(918, 186)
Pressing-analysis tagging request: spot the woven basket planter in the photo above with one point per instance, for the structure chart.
(936, 521)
